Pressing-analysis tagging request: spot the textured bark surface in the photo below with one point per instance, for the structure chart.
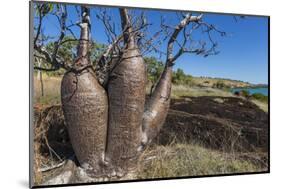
(85, 109)
(157, 106)
(85, 106)
(126, 94)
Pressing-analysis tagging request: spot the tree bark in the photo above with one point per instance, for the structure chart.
(157, 106)
(85, 106)
(126, 93)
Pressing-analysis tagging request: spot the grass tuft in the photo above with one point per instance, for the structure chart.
(178, 160)
(181, 90)
(51, 90)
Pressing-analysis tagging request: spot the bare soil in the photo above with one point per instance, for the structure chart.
(223, 123)
(226, 124)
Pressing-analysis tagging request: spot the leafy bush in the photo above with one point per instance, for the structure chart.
(221, 85)
(245, 93)
(189, 80)
(68, 52)
(260, 97)
(154, 68)
(179, 77)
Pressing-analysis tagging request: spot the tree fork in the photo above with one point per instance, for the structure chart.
(157, 106)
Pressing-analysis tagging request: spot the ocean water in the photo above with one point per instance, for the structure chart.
(263, 90)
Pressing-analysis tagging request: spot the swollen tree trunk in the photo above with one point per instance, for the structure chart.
(85, 106)
(126, 93)
(157, 106)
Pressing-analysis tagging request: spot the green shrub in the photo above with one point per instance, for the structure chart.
(245, 93)
(154, 68)
(189, 80)
(180, 78)
(260, 97)
(221, 85)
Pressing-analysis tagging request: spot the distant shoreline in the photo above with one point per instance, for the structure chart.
(252, 86)
(230, 83)
(259, 90)
(258, 86)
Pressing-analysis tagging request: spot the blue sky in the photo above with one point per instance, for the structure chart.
(243, 52)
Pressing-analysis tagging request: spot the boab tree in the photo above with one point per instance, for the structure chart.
(156, 107)
(108, 119)
(85, 105)
(126, 94)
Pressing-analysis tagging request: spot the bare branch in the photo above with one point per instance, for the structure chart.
(126, 24)
(188, 18)
(211, 27)
(152, 44)
(69, 40)
(125, 19)
(195, 47)
(46, 69)
(52, 58)
(106, 62)
(84, 40)
(40, 23)
(109, 27)
(45, 169)
(63, 30)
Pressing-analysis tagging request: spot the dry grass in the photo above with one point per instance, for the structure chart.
(262, 105)
(172, 160)
(37, 175)
(51, 88)
(210, 82)
(181, 90)
(178, 160)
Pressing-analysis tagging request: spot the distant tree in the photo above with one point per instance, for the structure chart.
(154, 68)
(178, 77)
(189, 80)
(221, 85)
(68, 51)
(245, 93)
(260, 97)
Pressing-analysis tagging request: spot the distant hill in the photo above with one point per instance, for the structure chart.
(212, 82)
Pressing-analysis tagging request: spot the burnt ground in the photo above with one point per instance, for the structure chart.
(227, 124)
(223, 123)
